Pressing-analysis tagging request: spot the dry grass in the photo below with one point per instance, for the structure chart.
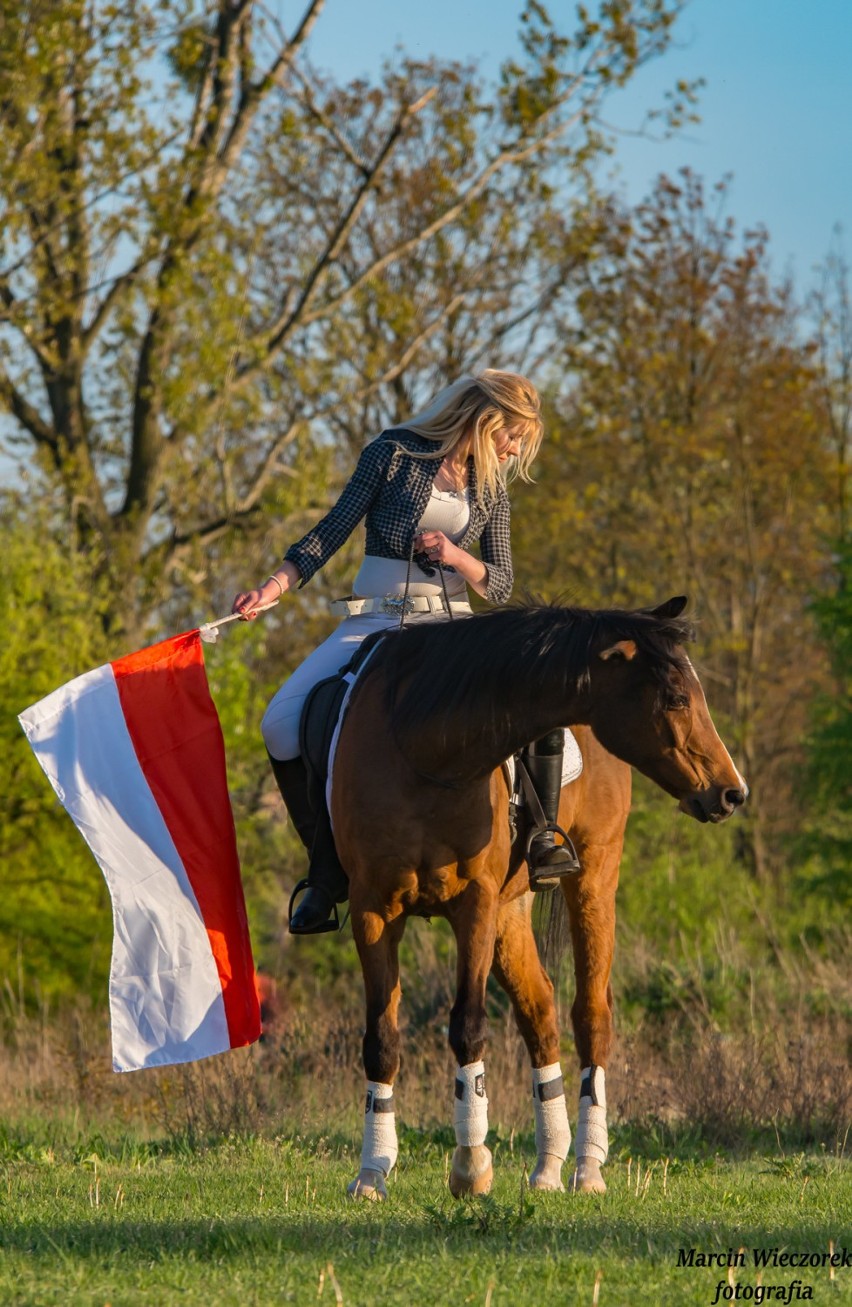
(780, 1069)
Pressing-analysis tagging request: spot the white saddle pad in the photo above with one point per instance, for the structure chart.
(332, 751)
(572, 762)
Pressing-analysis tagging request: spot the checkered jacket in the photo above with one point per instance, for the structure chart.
(392, 490)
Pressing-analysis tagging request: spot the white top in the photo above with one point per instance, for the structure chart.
(447, 511)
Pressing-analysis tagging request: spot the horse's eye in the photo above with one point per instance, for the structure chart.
(677, 702)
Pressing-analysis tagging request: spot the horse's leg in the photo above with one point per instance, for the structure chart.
(378, 947)
(473, 917)
(591, 910)
(518, 968)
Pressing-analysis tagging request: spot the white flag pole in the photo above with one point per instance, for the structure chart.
(210, 630)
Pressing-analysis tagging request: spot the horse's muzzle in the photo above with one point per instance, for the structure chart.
(716, 803)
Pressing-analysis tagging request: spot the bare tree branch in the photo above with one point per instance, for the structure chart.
(253, 95)
(277, 334)
(269, 468)
(413, 348)
(13, 401)
(118, 286)
(299, 316)
(345, 147)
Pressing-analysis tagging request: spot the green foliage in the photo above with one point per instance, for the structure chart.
(832, 744)
(187, 55)
(702, 945)
(827, 836)
(55, 924)
(679, 877)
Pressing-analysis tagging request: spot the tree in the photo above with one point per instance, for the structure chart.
(202, 244)
(827, 834)
(831, 306)
(689, 455)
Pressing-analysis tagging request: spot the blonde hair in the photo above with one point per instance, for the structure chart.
(476, 408)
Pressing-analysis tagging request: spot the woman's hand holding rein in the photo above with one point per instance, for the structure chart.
(439, 549)
(248, 603)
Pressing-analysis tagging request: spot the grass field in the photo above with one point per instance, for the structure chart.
(223, 1183)
(266, 1221)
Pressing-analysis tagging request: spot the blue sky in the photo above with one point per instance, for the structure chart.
(776, 111)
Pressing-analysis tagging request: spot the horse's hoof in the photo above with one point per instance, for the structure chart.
(547, 1175)
(587, 1178)
(471, 1173)
(368, 1184)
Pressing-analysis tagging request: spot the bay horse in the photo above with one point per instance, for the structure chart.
(419, 806)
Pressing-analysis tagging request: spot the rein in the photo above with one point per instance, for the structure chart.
(404, 610)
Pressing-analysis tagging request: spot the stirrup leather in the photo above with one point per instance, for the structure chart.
(333, 922)
(547, 877)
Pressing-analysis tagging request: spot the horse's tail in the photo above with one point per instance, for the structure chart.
(553, 939)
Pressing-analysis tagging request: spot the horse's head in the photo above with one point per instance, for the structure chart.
(649, 710)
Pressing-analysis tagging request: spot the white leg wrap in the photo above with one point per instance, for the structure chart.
(471, 1105)
(380, 1149)
(552, 1131)
(592, 1137)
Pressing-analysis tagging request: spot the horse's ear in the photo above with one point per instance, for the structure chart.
(671, 608)
(622, 649)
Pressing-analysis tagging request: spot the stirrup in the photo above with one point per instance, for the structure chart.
(547, 878)
(331, 923)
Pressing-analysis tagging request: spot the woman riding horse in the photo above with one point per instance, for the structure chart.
(429, 489)
(430, 720)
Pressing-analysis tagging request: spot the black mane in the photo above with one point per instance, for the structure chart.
(446, 671)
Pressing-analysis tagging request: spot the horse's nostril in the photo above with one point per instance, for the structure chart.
(734, 798)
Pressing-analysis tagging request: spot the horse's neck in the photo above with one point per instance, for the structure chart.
(525, 727)
(529, 714)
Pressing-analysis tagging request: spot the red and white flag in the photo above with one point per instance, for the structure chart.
(135, 753)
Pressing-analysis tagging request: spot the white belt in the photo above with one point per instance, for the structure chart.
(392, 605)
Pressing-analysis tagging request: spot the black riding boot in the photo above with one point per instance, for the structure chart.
(326, 884)
(546, 859)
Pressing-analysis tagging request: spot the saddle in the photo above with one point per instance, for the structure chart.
(319, 718)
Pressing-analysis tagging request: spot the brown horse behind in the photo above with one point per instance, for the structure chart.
(420, 813)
